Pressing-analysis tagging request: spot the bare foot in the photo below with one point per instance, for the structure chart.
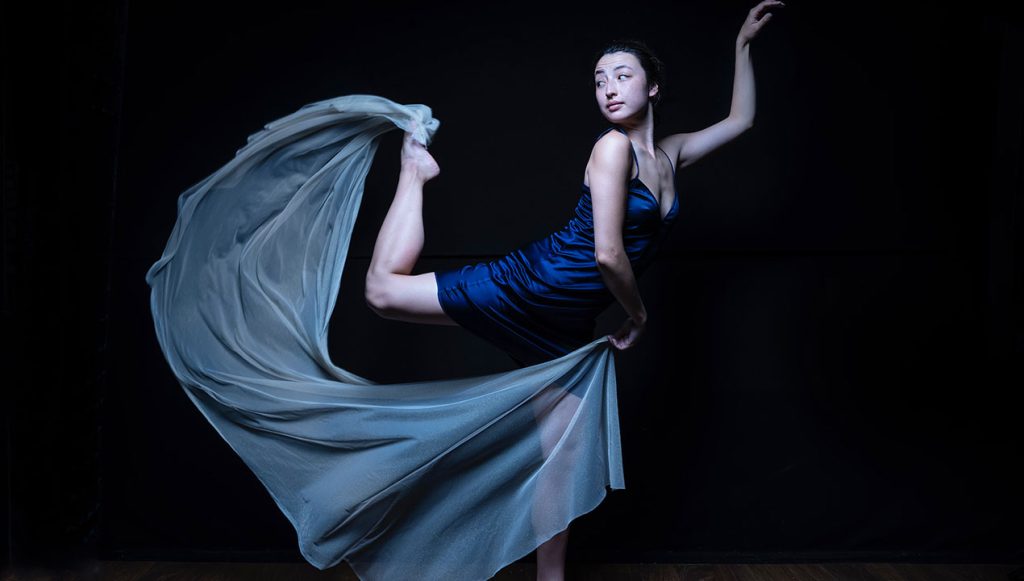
(417, 159)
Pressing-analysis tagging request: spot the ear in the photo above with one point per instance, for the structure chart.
(653, 90)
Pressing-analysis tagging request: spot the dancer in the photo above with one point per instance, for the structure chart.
(541, 301)
(423, 479)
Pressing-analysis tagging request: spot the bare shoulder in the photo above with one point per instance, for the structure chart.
(609, 157)
(612, 140)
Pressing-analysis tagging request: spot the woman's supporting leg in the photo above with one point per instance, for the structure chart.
(391, 291)
(554, 410)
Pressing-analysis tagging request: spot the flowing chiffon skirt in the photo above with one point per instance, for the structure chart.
(449, 480)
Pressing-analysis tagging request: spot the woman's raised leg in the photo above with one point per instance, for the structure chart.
(391, 291)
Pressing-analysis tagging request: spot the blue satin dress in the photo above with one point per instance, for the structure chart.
(541, 301)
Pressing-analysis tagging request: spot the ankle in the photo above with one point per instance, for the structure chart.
(411, 173)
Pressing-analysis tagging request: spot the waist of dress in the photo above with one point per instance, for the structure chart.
(551, 267)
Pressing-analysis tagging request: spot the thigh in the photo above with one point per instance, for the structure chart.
(554, 409)
(413, 298)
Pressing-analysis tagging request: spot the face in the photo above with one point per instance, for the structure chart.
(620, 85)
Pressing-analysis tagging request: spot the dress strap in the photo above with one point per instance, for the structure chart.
(670, 162)
(632, 150)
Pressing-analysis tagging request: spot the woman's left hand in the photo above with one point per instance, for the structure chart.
(627, 335)
(756, 19)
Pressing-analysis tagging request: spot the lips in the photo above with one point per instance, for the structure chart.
(614, 106)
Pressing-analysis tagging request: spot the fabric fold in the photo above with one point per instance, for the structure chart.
(445, 479)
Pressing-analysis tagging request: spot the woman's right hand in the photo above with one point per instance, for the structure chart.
(756, 18)
(628, 334)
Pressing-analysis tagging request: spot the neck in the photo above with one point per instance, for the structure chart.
(641, 130)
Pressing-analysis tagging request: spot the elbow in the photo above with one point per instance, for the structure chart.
(607, 256)
(744, 123)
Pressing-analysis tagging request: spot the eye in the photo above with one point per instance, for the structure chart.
(623, 75)
(599, 83)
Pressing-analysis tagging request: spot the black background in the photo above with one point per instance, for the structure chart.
(833, 363)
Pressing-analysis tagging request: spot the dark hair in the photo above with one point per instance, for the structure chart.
(653, 67)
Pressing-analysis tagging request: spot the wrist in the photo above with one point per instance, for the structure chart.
(641, 319)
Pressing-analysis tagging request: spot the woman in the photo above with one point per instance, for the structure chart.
(540, 301)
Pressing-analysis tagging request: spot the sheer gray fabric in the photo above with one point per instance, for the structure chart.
(450, 479)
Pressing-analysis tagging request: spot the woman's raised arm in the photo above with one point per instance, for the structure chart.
(687, 148)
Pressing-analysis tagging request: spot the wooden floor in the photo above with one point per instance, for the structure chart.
(153, 570)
